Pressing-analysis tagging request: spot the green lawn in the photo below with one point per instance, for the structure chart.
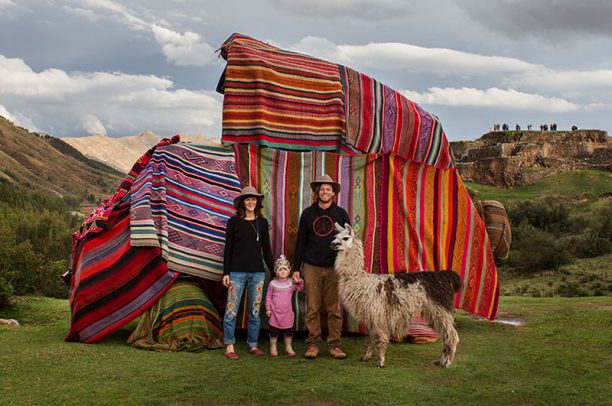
(562, 355)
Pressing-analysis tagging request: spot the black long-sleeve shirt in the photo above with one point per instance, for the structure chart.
(243, 253)
(315, 234)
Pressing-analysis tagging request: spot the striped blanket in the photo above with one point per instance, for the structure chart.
(180, 204)
(381, 120)
(113, 283)
(279, 98)
(184, 319)
(428, 222)
(291, 101)
(443, 232)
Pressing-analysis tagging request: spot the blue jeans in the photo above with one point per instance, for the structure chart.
(254, 282)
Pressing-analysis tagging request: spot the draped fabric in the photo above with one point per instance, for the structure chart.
(381, 120)
(430, 223)
(180, 204)
(279, 98)
(113, 282)
(291, 101)
(284, 178)
(411, 217)
(94, 223)
(184, 319)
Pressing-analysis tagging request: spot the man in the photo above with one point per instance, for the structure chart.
(313, 251)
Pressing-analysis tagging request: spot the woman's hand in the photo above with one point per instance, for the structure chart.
(226, 281)
(268, 313)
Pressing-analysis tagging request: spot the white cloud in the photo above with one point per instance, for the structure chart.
(183, 49)
(6, 4)
(565, 81)
(92, 124)
(117, 103)
(18, 119)
(493, 97)
(412, 58)
(363, 9)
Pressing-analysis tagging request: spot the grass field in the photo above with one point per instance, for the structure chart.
(574, 184)
(562, 355)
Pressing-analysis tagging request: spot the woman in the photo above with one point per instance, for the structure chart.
(247, 246)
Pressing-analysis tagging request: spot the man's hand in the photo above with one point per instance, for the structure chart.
(226, 281)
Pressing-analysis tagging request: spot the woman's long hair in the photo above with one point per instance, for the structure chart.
(241, 212)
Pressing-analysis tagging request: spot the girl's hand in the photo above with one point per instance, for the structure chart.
(268, 313)
(226, 281)
(296, 277)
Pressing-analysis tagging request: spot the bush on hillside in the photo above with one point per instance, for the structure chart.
(549, 214)
(534, 250)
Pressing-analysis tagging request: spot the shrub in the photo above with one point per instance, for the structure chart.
(535, 250)
(549, 214)
(589, 245)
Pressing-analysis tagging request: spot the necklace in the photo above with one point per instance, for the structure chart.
(255, 227)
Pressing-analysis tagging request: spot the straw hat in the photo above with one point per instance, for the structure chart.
(325, 179)
(247, 191)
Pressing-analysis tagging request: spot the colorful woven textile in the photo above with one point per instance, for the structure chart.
(113, 283)
(429, 223)
(94, 223)
(381, 120)
(296, 102)
(419, 332)
(184, 319)
(411, 216)
(181, 202)
(279, 98)
(498, 226)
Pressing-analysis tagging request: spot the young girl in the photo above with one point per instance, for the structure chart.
(279, 307)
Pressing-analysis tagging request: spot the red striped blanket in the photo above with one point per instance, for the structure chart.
(443, 232)
(113, 283)
(292, 101)
(279, 98)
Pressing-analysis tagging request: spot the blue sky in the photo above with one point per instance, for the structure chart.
(74, 68)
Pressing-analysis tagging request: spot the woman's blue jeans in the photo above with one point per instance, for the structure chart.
(253, 282)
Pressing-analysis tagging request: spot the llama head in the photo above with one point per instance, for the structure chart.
(344, 238)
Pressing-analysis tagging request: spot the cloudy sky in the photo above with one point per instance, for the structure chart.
(78, 67)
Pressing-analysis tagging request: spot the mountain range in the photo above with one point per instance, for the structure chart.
(46, 164)
(121, 152)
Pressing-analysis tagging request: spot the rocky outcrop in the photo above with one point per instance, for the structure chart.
(516, 158)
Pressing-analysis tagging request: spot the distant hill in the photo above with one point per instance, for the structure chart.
(121, 152)
(46, 164)
(517, 158)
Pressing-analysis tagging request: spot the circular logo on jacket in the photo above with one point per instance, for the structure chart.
(323, 226)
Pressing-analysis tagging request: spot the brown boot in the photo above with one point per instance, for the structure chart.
(311, 352)
(337, 353)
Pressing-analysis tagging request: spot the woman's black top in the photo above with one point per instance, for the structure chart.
(243, 251)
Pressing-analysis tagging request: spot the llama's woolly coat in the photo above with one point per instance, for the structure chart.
(387, 303)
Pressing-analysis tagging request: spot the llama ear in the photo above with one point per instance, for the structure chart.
(347, 226)
(338, 227)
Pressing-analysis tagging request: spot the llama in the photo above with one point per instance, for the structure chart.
(387, 303)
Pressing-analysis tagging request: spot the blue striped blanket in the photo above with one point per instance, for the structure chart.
(181, 203)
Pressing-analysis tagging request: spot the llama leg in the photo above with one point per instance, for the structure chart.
(443, 324)
(381, 344)
(368, 346)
